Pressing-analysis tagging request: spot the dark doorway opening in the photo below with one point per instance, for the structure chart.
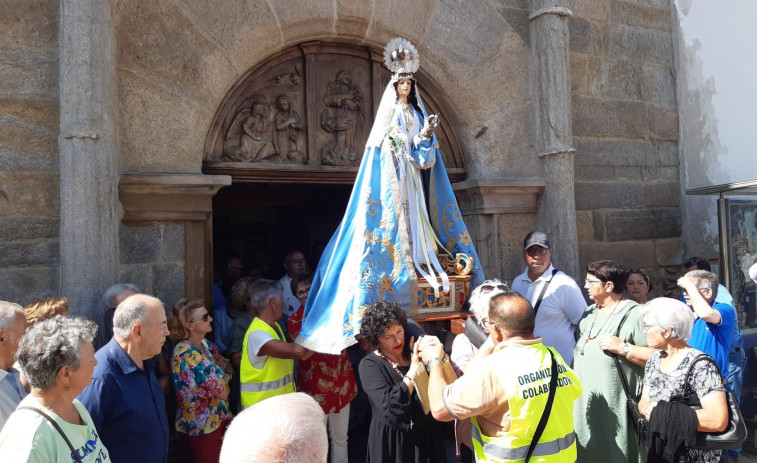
(260, 222)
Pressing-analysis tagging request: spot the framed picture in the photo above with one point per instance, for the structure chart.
(742, 234)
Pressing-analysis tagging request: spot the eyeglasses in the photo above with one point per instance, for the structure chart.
(536, 251)
(591, 283)
(692, 262)
(204, 317)
(485, 322)
(303, 292)
(296, 261)
(489, 288)
(645, 328)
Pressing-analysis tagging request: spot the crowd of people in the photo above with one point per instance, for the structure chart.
(537, 373)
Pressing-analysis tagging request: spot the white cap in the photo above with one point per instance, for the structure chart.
(753, 273)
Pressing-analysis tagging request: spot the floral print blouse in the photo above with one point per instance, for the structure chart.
(198, 379)
(329, 379)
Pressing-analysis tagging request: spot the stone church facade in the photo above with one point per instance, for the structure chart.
(120, 121)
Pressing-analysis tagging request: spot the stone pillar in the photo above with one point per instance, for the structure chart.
(550, 56)
(89, 211)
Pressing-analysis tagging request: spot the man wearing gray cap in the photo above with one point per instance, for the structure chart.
(556, 298)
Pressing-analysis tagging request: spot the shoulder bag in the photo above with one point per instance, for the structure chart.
(640, 423)
(735, 432)
(57, 427)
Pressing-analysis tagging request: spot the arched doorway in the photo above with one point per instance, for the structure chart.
(291, 134)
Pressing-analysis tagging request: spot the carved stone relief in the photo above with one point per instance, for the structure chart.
(313, 106)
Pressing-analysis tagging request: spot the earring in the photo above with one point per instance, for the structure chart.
(68, 388)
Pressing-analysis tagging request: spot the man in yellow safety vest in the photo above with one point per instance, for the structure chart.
(267, 367)
(506, 388)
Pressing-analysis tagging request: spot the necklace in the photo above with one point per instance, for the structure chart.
(394, 365)
(590, 337)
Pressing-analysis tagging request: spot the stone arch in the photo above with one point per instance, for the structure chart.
(304, 113)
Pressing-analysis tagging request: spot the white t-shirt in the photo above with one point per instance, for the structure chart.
(255, 341)
(560, 310)
(29, 437)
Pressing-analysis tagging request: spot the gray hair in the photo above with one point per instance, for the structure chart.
(262, 291)
(288, 428)
(131, 311)
(479, 300)
(705, 280)
(51, 345)
(8, 311)
(106, 302)
(665, 313)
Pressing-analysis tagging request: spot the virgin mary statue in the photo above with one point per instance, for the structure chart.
(400, 216)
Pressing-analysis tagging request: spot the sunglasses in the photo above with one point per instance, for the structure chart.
(204, 317)
(489, 288)
(536, 251)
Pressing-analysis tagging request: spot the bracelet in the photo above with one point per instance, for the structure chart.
(437, 359)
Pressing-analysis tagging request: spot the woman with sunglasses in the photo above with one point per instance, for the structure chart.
(201, 379)
(603, 429)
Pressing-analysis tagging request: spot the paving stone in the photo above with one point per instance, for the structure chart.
(24, 202)
(624, 225)
(663, 123)
(668, 252)
(662, 193)
(580, 35)
(172, 243)
(168, 283)
(641, 15)
(640, 44)
(16, 230)
(630, 80)
(140, 275)
(602, 118)
(24, 285)
(139, 245)
(29, 252)
(608, 195)
(627, 253)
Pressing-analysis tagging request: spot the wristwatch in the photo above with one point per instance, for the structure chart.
(626, 349)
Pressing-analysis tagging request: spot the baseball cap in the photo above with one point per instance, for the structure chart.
(538, 238)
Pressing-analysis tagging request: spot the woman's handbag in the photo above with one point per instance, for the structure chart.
(735, 432)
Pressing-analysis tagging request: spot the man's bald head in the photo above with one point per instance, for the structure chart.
(513, 314)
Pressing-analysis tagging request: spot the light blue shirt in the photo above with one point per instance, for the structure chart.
(11, 393)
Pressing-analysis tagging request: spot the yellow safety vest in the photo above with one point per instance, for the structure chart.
(526, 381)
(276, 377)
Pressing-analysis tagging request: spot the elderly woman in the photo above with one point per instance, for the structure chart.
(399, 432)
(50, 424)
(200, 377)
(668, 324)
(602, 427)
(638, 285)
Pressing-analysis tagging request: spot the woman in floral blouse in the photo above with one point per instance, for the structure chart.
(200, 377)
(329, 379)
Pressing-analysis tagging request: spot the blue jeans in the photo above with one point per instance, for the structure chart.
(735, 379)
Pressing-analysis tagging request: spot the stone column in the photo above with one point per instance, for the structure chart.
(89, 211)
(550, 55)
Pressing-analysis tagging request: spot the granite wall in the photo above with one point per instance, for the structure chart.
(29, 181)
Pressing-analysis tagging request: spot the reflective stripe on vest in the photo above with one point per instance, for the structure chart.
(542, 449)
(276, 377)
(269, 386)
